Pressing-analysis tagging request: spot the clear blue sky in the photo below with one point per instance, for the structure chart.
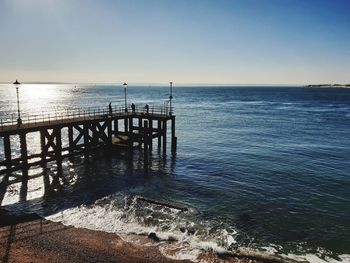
(185, 41)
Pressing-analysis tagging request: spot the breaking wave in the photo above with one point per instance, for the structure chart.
(174, 228)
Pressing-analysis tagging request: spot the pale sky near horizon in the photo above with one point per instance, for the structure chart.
(185, 41)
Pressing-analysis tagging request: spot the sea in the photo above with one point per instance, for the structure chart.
(258, 169)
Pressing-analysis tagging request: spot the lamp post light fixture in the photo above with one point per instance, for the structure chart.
(125, 85)
(19, 120)
(171, 98)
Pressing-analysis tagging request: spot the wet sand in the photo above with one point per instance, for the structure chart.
(29, 238)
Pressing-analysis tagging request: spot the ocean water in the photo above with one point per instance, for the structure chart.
(260, 168)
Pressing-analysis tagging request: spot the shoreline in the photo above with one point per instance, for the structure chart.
(31, 238)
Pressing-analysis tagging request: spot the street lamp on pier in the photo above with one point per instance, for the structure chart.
(19, 120)
(125, 85)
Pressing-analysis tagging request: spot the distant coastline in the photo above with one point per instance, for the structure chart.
(328, 86)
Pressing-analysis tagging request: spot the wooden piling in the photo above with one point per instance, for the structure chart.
(43, 155)
(145, 143)
(58, 147)
(70, 138)
(116, 128)
(43, 147)
(159, 131)
(86, 140)
(5, 179)
(173, 137)
(46, 180)
(126, 125)
(150, 125)
(7, 149)
(24, 151)
(24, 186)
(93, 128)
(131, 124)
(140, 128)
(109, 132)
(24, 158)
(3, 186)
(164, 132)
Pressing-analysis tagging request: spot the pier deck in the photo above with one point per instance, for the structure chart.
(85, 129)
(55, 122)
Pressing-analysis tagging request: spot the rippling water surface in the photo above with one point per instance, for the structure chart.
(259, 167)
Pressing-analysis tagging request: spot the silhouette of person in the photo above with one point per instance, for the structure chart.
(110, 108)
(133, 107)
(147, 109)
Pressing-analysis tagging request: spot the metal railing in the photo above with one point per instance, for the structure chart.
(84, 114)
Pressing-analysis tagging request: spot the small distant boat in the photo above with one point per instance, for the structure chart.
(75, 89)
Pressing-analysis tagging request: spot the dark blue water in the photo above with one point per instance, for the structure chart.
(258, 166)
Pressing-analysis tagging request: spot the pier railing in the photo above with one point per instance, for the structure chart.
(83, 113)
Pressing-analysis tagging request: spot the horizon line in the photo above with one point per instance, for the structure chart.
(176, 84)
(162, 83)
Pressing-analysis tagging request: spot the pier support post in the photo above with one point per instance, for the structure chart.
(131, 124)
(58, 150)
(145, 144)
(131, 136)
(140, 128)
(150, 125)
(116, 128)
(95, 135)
(125, 124)
(86, 140)
(159, 131)
(3, 186)
(7, 150)
(109, 132)
(5, 179)
(70, 139)
(24, 158)
(43, 147)
(46, 178)
(173, 137)
(24, 151)
(164, 132)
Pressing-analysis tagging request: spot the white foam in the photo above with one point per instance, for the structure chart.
(126, 216)
(99, 218)
(179, 252)
(104, 215)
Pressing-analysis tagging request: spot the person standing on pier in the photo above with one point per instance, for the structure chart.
(147, 109)
(133, 108)
(110, 108)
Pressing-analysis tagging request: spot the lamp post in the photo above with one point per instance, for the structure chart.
(125, 85)
(19, 120)
(171, 98)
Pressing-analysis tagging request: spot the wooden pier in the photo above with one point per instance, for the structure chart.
(86, 129)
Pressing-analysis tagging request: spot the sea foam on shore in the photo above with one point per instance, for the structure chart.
(174, 231)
